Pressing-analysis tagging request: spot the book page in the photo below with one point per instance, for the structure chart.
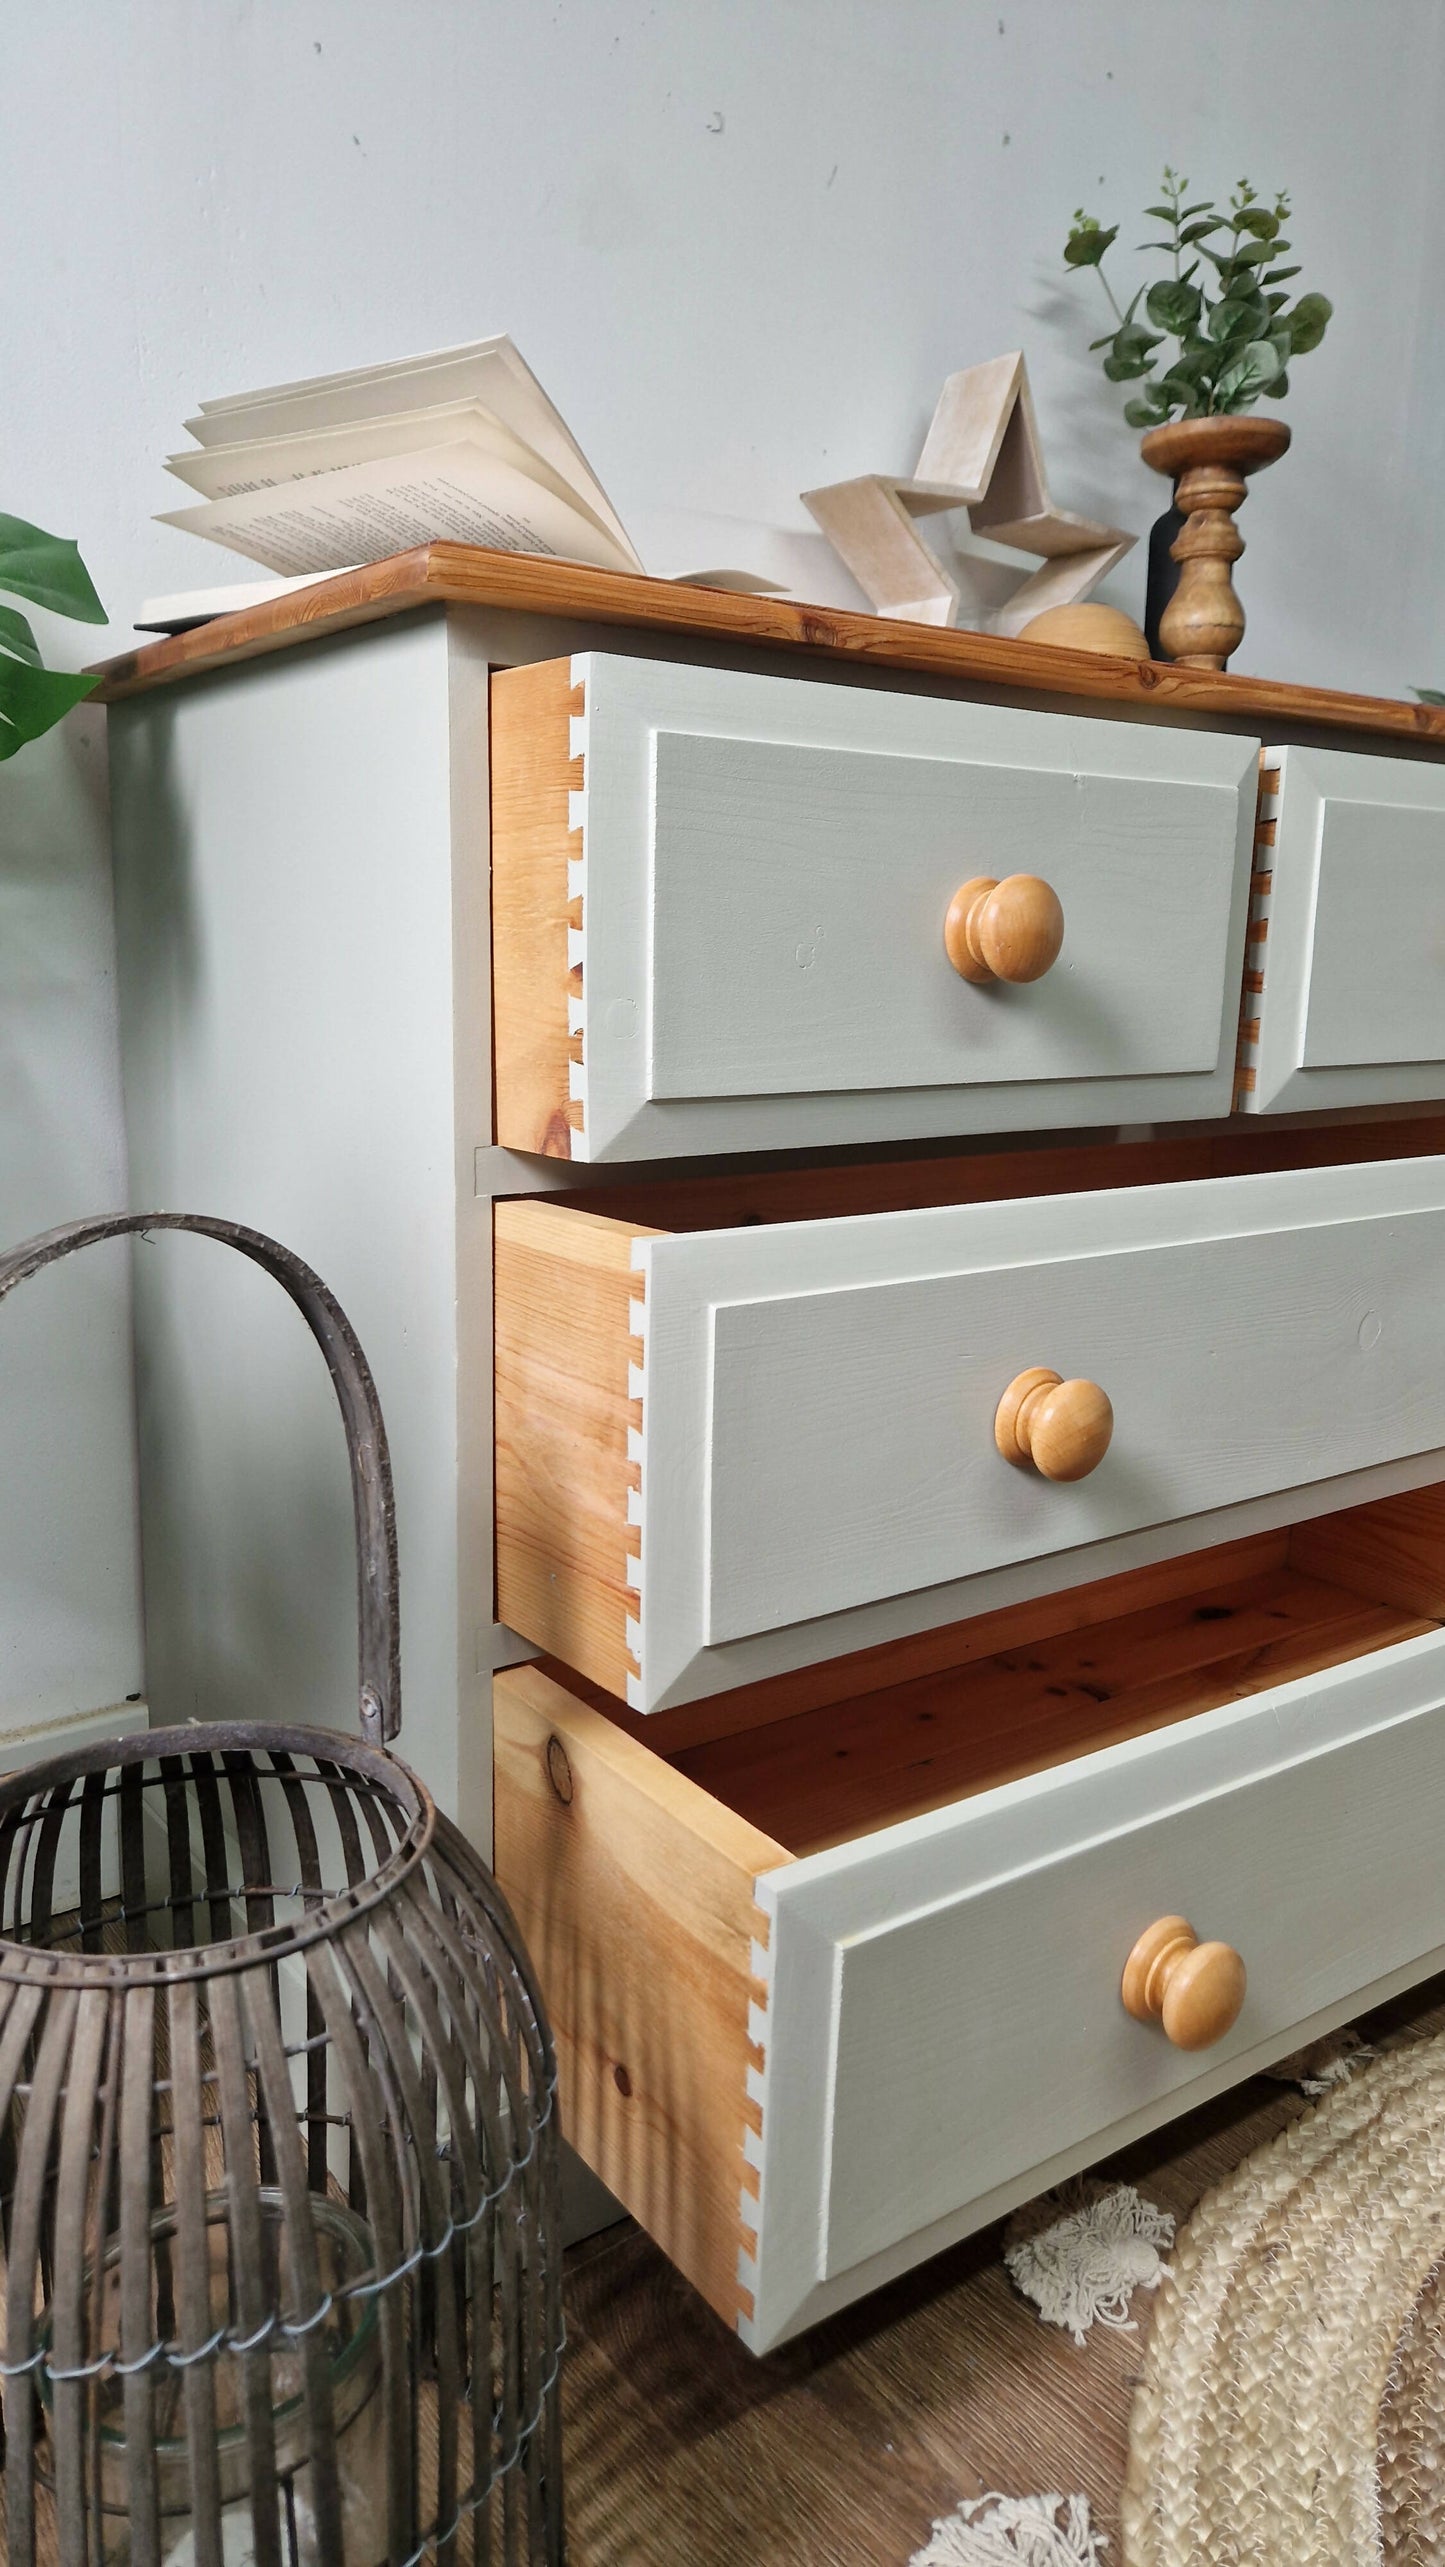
(457, 493)
(350, 379)
(260, 463)
(489, 371)
(200, 605)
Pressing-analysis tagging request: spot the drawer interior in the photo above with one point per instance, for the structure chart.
(915, 1180)
(824, 1757)
(828, 1775)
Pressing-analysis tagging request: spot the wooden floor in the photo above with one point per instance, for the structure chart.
(840, 2450)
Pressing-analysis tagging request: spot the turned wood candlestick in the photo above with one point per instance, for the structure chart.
(1208, 461)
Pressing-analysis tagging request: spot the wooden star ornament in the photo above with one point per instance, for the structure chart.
(981, 453)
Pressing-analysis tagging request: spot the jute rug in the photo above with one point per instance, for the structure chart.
(1291, 2411)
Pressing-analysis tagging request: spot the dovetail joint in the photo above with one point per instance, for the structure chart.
(577, 910)
(1256, 941)
(636, 1469)
(750, 2191)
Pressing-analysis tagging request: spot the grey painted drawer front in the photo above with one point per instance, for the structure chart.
(818, 1468)
(764, 866)
(943, 2030)
(1352, 1010)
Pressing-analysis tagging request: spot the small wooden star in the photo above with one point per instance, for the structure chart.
(981, 453)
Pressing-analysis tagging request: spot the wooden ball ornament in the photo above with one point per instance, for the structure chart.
(1088, 628)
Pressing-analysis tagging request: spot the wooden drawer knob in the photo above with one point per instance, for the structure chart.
(1009, 930)
(1194, 1989)
(1062, 1428)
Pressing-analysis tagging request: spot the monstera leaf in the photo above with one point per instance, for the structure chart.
(47, 571)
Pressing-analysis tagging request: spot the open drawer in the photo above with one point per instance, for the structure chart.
(722, 906)
(723, 1452)
(833, 1990)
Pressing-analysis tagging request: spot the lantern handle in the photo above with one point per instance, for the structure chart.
(378, 1638)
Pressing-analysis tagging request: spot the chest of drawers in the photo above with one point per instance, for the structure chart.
(895, 1188)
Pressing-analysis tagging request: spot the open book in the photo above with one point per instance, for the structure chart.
(463, 445)
(346, 468)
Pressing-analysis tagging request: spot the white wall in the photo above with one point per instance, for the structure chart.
(742, 241)
(69, 1617)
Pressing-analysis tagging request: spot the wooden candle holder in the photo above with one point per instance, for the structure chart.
(1208, 461)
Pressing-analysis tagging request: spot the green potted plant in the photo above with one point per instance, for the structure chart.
(1235, 332)
(46, 570)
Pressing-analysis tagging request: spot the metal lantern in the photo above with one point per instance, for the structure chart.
(278, 2135)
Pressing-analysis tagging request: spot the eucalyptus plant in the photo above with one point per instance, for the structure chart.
(1223, 304)
(46, 570)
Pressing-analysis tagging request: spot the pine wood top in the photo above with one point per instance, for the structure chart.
(464, 575)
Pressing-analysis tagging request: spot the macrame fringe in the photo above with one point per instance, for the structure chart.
(1014, 2531)
(1100, 2245)
(1325, 2064)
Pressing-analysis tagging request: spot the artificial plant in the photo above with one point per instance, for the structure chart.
(1235, 331)
(47, 571)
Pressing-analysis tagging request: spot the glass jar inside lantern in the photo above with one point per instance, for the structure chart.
(351, 2341)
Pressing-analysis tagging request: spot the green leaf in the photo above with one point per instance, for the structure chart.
(1181, 386)
(1228, 262)
(1253, 253)
(1173, 307)
(1308, 322)
(1426, 694)
(1147, 410)
(1199, 231)
(16, 636)
(32, 700)
(1086, 245)
(1248, 375)
(48, 570)
(1255, 219)
(1204, 206)
(1160, 213)
(1277, 275)
(1237, 316)
(1125, 369)
(1195, 360)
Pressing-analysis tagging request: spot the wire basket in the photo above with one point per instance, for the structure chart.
(278, 2129)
